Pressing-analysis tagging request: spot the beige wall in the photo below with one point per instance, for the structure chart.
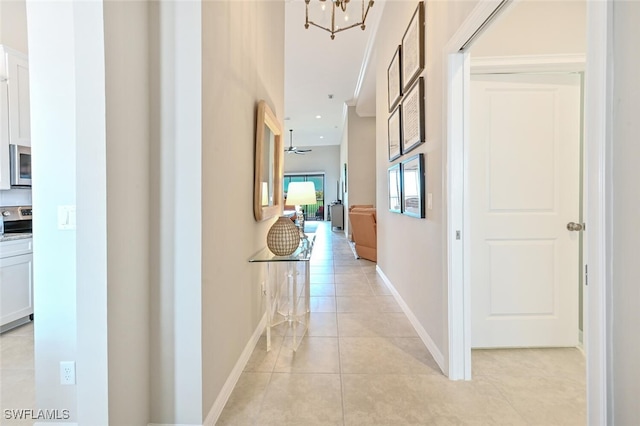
(126, 53)
(410, 250)
(360, 157)
(243, 62)
(361, 154)
(13, 24)
(536, 28)
(625, 312)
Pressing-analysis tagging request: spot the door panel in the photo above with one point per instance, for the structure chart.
(519, 151)
(524, 183)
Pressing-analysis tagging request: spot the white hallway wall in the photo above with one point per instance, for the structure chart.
(68, 140)
(81, 316)
(625, 313)
(175, 273)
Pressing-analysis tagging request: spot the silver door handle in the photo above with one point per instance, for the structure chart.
(572, 226)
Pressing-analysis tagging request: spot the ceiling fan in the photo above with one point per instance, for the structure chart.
(293, 149)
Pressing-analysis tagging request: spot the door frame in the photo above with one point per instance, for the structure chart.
(596, 196)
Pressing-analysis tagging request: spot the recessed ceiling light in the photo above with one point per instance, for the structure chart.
(321, 137)
(318, 116)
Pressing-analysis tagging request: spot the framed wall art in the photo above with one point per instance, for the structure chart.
(413, 186)
(395, 189)
(413, 127)
(412, 58)
(394, 136)
(346, 187)
(394, 80)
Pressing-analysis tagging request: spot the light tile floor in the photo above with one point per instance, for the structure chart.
(17, 378)
(362, 363)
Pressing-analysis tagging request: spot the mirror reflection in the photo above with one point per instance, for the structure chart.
(268, 171)
(268, 199)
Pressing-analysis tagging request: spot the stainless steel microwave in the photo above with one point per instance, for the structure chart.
(20, 165)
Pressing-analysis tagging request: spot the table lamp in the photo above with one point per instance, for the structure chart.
(300, 194)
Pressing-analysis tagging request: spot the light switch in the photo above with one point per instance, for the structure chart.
(430, 201)
(66, 217)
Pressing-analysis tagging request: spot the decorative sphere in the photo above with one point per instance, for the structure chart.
(284, 237)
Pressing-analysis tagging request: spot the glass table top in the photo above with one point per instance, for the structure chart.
(302, 253)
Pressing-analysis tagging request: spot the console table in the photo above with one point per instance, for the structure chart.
(287, 289)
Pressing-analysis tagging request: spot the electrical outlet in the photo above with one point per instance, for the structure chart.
(67, 372)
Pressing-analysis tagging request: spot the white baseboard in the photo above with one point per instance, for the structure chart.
(422, 333)
(232, 380)
(581, 343)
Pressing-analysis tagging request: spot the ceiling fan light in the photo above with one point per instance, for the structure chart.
(294, 149)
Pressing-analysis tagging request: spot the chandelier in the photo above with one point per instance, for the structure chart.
(341, 5)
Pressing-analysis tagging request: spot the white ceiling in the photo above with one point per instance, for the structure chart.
(316, 67)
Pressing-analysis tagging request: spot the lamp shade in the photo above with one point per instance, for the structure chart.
(301, 193)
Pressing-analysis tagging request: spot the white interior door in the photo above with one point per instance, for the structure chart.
(524, 170)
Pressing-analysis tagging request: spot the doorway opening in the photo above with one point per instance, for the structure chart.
(596, 189)
(596, 104)
(311, 211)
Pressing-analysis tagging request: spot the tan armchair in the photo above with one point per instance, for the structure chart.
(364, 232)
(360, 206)
(351, 208)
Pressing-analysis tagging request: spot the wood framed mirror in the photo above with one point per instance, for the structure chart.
(268, 199)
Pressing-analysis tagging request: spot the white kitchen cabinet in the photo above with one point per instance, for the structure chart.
(4, 125)
(4, 134)
(17, 69)
(15, 113)
(16, 280)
